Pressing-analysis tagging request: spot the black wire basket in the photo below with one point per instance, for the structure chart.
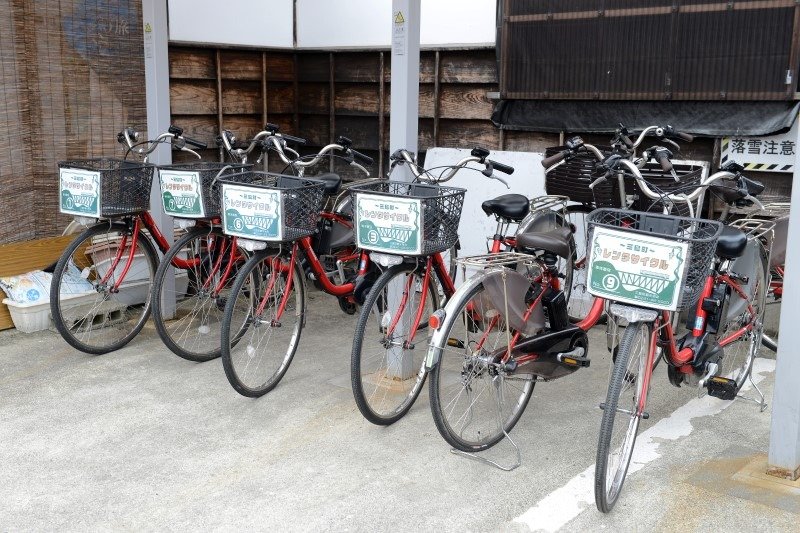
(188, 205)
(124, 185)
(701, 236)
(291, 213)
(395, 231)
(572, 178)
(689, 176)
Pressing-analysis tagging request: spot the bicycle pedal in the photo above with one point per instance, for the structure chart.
(575, 358)
(722, 388)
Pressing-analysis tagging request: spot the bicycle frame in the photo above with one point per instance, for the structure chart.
(160, 240)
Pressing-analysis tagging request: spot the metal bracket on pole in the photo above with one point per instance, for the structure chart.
(156, 76)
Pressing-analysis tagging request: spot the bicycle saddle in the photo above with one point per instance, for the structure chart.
(555, 241)
(731, 243)
(332, 183)
(509, 206)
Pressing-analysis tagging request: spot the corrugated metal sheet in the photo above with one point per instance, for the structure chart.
(654, 50)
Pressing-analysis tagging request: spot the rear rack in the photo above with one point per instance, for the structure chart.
(550, 202)
(500, 259)
(755, 228)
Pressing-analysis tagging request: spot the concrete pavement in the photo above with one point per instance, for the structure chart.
(143, 440)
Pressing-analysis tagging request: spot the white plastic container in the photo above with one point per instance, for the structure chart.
(32, 317)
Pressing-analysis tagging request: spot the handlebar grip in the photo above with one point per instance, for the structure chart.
(548, 162)
(626, 140)
(367, 160)
(292, 139)
(684, 136)
(753, 187)
(505, 169)
(663, 159)
(197, 144)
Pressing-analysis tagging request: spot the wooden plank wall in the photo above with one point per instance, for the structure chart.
(320, 95)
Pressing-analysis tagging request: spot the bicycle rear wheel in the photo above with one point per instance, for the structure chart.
(620, 424)
(579, 301)
(772, 309)
(88, 310)
(737, 361)
(386, 364)
(474, 403)
(201, 290)
(258, 346)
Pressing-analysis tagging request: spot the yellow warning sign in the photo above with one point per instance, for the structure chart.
(398, 18)
(147, 27)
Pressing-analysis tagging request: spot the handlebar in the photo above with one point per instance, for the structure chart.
(477, 155)
(174, 135)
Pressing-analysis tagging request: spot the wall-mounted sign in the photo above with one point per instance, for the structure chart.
(775, 153)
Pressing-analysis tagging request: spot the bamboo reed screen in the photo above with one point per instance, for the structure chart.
(72, 76)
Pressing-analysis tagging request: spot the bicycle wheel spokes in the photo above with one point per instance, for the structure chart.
(100, 294)
(260, 339)
(390, 344)
(205, 263)
(621, 415)
(474, 402)
(737, 361)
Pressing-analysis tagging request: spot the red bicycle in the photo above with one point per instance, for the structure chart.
(258, 344)
(100, 296)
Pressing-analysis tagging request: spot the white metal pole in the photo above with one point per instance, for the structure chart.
(403, 132)
(784, 437)
(404, 112)
(156, 77)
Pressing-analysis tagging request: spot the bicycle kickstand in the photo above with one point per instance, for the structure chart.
(470, 455)
(761, 401)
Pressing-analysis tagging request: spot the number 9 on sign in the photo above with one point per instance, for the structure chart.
(610, 282)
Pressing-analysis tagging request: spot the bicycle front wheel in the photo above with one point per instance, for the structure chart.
(473, 400)
(621, 416)
(258, 345)
(207, 264)
(387, 362)
(100, 295)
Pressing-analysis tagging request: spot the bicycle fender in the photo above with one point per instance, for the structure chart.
(438, 341)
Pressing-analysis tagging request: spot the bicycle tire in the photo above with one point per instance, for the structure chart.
(240, 349)
(458, 371)
(607, 489)
(382, 398)
(193, 332)
(772, 313)
(84, 321)
(748, 344)
(579, 301)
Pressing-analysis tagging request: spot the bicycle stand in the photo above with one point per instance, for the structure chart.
(470, 455)
(762, 402)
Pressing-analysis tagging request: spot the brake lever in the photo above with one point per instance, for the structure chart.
(755, 201)
(359, 167)
(501, 180)
(184, 149)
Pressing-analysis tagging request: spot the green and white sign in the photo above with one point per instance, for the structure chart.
(252, 213)
(182, 193)
(391, 225)
(79, 192)
(636, 269)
